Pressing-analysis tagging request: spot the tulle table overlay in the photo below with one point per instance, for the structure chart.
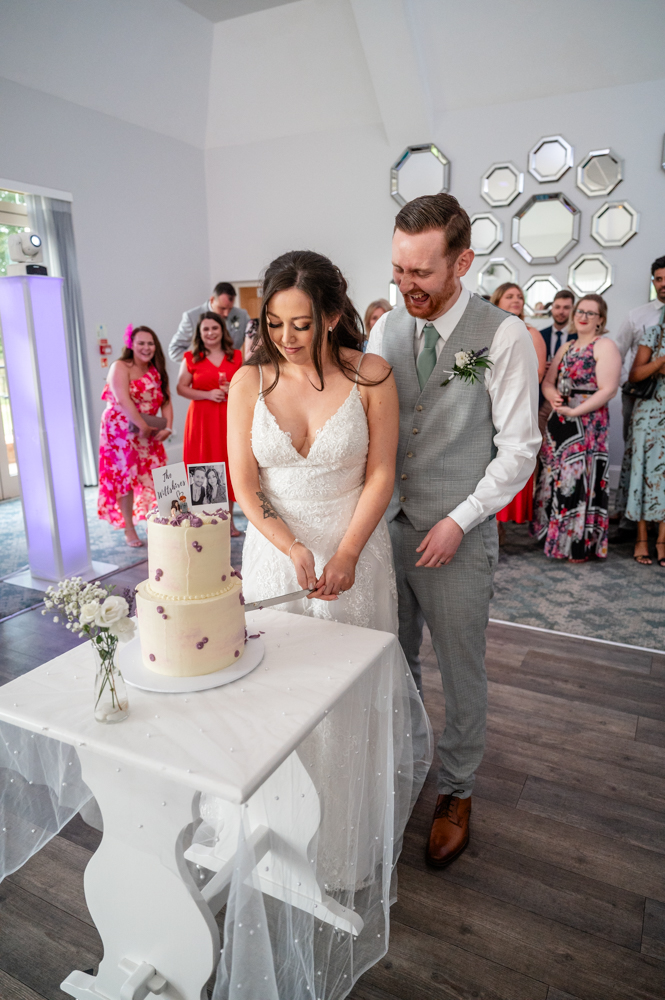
(309, 838)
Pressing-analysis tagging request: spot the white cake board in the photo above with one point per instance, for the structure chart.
(135, 673)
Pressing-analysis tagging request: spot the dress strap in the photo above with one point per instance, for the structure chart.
(362, 358)
(260, 380)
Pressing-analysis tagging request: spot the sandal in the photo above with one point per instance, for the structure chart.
(643, 558)
(135, 542)
(660, 559)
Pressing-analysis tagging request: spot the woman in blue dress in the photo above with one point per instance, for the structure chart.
(642, 485)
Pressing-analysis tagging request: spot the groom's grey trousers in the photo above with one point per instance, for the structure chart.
(453, 601)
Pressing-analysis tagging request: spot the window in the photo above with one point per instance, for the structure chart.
(13, 219)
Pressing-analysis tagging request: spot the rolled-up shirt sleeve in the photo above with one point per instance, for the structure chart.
(512, 383)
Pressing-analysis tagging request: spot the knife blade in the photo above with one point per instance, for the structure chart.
(284, 599)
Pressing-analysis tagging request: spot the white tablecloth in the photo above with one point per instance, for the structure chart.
(342, 697)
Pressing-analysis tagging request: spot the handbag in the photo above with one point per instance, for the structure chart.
(159, 423)
(647, 387)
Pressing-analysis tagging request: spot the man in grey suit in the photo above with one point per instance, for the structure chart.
(220, 302)
(467, 445)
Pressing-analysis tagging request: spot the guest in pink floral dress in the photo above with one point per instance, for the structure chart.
(571, 502)
(129, 449)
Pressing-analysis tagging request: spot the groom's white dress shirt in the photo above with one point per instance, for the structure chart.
(514, 410)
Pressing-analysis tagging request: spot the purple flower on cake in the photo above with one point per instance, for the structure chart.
(199, 645)
(152, 657)
(242, 599)
(160, 609)
(237, 652)
(223, 577)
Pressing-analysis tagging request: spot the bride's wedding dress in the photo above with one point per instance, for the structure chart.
(364, 763)
(316, 496)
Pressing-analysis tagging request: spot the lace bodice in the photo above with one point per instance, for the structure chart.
(334, 466)
(316, 495)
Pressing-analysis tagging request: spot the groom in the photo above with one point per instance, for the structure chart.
(465, 449)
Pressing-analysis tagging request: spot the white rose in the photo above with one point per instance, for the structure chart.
(123, 629)
(88, 612)
(461, 358)
(111, 611)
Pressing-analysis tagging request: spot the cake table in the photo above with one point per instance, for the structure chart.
(322, 727)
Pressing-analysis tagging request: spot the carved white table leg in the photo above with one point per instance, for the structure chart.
(282, 817)
(159, 935)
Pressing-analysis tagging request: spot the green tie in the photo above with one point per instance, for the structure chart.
(427, 357)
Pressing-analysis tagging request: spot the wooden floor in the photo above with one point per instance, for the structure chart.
(561, 893)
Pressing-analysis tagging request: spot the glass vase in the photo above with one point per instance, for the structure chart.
(111, 702)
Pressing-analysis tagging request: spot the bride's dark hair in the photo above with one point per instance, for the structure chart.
(326, 287)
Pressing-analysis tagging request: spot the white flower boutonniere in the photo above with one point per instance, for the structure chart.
(469, 365)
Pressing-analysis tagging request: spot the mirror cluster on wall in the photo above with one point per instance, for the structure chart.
(546, 227)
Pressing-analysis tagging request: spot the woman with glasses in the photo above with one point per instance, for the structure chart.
(642, 484)
(571, 503)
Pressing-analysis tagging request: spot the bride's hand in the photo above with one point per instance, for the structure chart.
(338, 576)
(303, 560)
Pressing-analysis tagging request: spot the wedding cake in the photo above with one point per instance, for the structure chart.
(189, 610)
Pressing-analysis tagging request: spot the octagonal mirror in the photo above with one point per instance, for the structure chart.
(494, 273)
(550, 158)
(614, 223)
(486, 233)
(539, 292)
(501, 184)
(599, 172)
(420, 170)
(546, 228)
(590, 273)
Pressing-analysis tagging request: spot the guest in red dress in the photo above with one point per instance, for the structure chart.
(205, 373)
(129, 449)
(510, 297)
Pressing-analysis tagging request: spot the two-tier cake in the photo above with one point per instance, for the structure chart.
(189, 610)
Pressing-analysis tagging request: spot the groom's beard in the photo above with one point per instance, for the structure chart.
(434, 304)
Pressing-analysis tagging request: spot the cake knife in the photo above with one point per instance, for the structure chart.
(284, 599)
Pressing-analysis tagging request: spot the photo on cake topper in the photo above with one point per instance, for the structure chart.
(207, 485)
(171, 489)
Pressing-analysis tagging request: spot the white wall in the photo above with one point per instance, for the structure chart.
(279, 177)
(116, 115)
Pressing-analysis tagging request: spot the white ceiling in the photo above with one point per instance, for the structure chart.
(224, 10)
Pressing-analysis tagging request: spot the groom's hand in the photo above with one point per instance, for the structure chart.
(440, 544)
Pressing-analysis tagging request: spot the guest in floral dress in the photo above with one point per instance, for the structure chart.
(129, 449)
(571, 503)
(205, 374)
(642, 485)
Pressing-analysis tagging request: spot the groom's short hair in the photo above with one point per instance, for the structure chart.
(437, 211)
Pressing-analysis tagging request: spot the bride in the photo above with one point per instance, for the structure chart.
(313, 428)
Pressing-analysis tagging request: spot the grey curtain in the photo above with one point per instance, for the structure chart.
(52, 220)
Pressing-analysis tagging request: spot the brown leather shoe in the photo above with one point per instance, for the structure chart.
(450, 830)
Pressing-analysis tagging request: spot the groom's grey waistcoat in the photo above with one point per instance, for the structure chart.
(445, 433)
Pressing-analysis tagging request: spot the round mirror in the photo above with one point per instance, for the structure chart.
(614, 223)
(599, 172)
(494, 273)
(546, 228)
(550, 158)
(420, 170)
(539, 292)
(486, 233)
(501, 184)
(590, 273)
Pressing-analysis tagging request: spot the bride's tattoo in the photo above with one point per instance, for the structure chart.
(267, 507)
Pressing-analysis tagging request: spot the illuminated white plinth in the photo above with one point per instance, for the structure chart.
(33, 334)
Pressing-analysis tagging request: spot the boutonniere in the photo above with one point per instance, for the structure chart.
(469, 365)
